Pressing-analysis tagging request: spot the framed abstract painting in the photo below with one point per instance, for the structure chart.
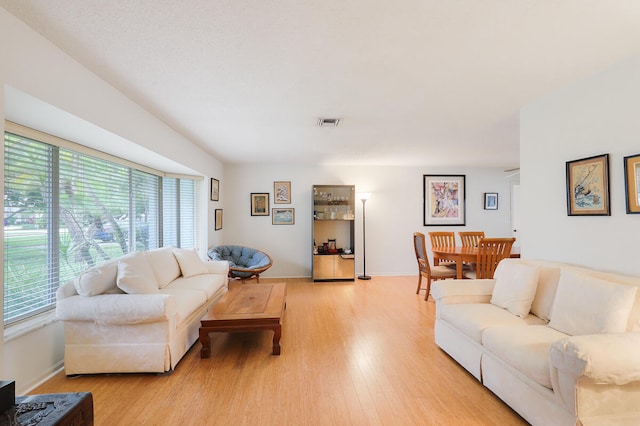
(444, 200)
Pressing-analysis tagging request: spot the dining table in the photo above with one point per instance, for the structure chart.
(461, 254)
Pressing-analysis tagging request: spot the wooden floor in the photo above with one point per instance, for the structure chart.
(356, 353)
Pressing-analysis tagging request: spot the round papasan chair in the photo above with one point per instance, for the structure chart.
(244, 262)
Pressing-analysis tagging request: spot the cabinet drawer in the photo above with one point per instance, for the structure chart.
(344, 268)
(323, 267)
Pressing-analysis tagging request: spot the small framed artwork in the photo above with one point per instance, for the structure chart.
(491, 201)
(215, 189)
(259, 204)
(588, 186)
(282, 216)
(444, 200)
(632, 183)
(218, 225)
(281, 192)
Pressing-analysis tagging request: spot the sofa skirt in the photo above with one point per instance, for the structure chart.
(462, 349)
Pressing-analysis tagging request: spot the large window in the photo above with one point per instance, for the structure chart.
(65, 211)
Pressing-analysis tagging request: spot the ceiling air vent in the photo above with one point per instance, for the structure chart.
(328, 122)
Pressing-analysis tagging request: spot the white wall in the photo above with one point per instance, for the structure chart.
(54, 85)
(393, 212)
(595, 116)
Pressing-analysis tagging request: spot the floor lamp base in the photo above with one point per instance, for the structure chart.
(364, 277)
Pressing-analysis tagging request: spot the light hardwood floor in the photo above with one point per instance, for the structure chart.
(355, 353)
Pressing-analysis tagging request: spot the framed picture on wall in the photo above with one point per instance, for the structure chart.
(218, 220)
(281, 192)
(259, 204)
(491, 201)
(215, 189)
(588, 186)
(444, 200)
(632, 183)
(283, 216)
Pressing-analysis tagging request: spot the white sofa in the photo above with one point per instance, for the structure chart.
(558, 343)
(138, 313)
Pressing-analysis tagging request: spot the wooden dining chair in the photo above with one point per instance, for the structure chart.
(443, 239)
(470, 238)
(490, 252)
(424, 268)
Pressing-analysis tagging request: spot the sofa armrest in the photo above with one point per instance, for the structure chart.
(462, 291)
(67, 289)
(218, 266)
(118, 308)
(603, 358)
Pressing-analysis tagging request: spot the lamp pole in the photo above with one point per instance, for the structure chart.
(364, 275)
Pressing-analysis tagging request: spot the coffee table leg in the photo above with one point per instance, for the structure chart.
(205, 352)
(277, 333)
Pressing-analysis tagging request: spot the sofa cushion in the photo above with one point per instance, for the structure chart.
(210, 284)
(190, 263)
(164, 265)
(602, 306)
(97, 280)
(526, 350)
(473, 318)
(187, 301)
(135, 275)
(515, 287)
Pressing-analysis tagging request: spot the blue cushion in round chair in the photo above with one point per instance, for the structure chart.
(244, 262)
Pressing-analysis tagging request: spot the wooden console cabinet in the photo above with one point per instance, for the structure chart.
(333, 223)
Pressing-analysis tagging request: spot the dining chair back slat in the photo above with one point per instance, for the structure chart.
(443, 239)
(470, 238)
(490, 252)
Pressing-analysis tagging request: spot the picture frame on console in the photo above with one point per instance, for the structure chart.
(632, 183)
(588, 186)
(444, 200)
(259, 204)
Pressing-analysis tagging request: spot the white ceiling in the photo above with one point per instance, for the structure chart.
(417, 82)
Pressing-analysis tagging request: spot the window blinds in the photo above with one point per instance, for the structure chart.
(66, 211)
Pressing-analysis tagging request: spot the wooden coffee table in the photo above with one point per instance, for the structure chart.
(246, 307)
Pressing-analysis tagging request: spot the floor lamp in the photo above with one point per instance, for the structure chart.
(364, 275)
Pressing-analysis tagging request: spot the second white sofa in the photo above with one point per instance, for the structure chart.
(138, 313)
(560, 344)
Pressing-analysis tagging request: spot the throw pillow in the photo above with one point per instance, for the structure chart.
(190, 263)
(548, 278)
(589, 305)
(515, 287)
(164, 264)
(97, 280)
(135, 275)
